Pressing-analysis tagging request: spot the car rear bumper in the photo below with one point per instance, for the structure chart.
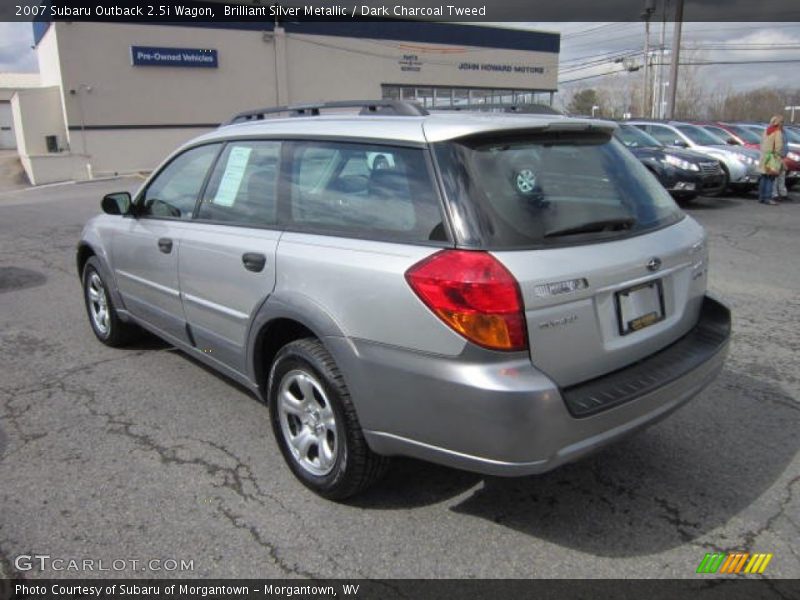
(503, 416)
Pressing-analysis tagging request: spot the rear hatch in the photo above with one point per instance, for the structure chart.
(610, 270)
(593, 309)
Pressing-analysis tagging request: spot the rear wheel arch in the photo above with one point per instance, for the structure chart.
(270, 338)
(282, 319)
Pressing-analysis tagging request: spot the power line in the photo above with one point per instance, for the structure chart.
(689, 63)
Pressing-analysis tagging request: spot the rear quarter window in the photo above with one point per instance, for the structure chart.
(363, 190)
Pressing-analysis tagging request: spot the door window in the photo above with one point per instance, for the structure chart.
(242, 188)
(173, 193)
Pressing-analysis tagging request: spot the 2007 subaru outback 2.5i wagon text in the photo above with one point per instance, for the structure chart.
(502, 293)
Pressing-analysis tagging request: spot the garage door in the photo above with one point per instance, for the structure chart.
(6, 134)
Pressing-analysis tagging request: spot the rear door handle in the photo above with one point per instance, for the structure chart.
(254, 261)
(165, 245)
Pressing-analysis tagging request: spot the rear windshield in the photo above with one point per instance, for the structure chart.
(633, 137)
(548, 190)
(745, 134)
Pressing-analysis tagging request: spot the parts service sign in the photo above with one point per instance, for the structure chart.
(148, 56)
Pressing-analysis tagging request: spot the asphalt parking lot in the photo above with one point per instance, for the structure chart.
(141, 453)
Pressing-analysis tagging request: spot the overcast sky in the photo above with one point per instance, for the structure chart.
(589, 49)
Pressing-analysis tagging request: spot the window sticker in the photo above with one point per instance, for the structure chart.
(232, 178)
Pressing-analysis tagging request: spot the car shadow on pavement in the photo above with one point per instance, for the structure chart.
(715, 203)
(657, 490)
(664, 487)
(148, 341)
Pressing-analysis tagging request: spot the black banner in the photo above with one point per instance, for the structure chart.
(733, 588)
(255, 11)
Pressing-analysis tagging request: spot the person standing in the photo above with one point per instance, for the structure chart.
(768, 166)
(779, 191)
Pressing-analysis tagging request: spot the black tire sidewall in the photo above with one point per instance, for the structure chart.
(294, 357)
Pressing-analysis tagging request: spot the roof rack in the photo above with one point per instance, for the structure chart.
(368, 107)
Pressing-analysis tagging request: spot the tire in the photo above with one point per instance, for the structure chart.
(685, 197)
(315, 423)
(726, 181)
(106, 325)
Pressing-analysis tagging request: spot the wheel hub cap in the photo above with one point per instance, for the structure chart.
(308, 423)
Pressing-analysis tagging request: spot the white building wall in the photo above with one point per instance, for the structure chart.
(337, 68)
(7, 140)
(37, 114)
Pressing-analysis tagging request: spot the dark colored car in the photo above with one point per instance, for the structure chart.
(685, 174)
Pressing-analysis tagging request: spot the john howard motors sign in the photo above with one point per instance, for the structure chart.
(148, 56)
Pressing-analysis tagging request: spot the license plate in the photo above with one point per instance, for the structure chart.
(640, 306)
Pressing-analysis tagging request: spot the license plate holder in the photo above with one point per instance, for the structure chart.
(640, 306)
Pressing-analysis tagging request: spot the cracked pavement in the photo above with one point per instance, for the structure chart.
(143, 453)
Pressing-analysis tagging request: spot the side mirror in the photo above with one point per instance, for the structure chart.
(118, 203)
(680, 144)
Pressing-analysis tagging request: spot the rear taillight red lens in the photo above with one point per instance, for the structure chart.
(474, 294)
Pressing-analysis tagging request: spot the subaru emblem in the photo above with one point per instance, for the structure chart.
(654, 264)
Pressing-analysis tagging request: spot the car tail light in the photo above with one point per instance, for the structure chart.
(474, 294)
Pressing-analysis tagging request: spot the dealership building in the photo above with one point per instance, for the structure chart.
(118, 97)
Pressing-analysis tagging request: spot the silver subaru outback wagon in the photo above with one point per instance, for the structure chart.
(496, 293)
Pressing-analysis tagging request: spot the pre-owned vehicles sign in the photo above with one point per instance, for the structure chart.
(150, 56)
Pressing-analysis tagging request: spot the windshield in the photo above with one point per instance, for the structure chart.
(549, 189)
(700, 136)
(745, 134)
(791, 135)
(633, 137)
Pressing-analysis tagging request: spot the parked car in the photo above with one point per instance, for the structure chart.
(684, 173)
(515, 293)
(734, 135)
(792, 159)
(740, 164)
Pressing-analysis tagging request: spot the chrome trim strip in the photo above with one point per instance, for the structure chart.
(147, 282)
(215, 307)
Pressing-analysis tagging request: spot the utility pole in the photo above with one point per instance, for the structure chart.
(649, 9)
(658, 92)
(676, 56)
(792, 108)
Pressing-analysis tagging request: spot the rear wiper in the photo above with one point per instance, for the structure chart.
(619, 224)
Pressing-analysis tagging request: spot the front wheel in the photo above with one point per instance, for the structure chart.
(315, 423)
(106, 325)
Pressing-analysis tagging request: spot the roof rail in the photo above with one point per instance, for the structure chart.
(368, 107)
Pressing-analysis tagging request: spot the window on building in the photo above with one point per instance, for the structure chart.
(465, 98)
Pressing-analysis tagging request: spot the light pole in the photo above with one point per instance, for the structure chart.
(77, 93)
(792, 108)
